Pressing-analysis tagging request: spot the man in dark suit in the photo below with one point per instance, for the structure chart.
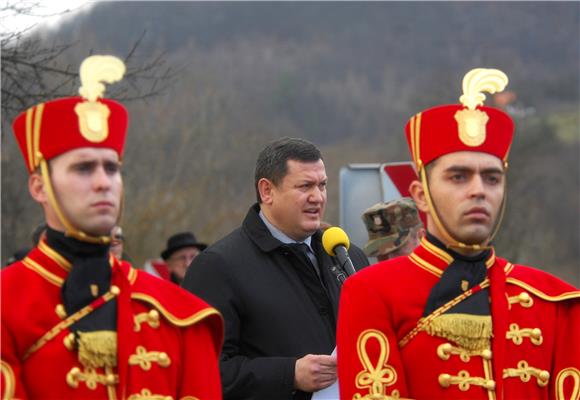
(273, 282)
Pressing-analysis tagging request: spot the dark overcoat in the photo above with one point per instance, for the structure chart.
(275, 308)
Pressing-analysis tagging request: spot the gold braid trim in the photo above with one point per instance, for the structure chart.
(90, 377)
(517, 334)
(36, 155)
(58, 328)
(446, 350)
(523, 299)
(151, 318)
(564, 296)
(418, 261)
(427, 320)
(29, 116)
(36, 267)
(508, 268)
(146, 394)
(98, 349)
(144, 358)
(471, 332)
(54, 256)
(110, 388)
(572, 373)
(376, 376)
(9, 380)
(488, 375)
(132, 276)
(181, 322)
(464, 381)
(436, 251)
(525, 373)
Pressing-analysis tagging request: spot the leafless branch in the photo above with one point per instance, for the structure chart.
(33, 71)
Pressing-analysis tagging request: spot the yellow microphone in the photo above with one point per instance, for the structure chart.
(335, 242)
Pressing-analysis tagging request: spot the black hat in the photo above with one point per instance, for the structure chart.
(179, 241)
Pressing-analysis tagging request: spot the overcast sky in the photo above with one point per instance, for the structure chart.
(44, 13)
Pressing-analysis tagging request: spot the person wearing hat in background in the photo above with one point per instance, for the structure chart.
(77, 322)
(453, 320)
(394, 229)
(182, 248)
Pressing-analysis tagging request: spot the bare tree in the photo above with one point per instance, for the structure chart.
(33, 72)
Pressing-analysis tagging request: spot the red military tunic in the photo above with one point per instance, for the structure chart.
(386, 352)
(168, 340)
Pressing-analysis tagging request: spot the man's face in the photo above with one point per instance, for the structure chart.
(467, 189)
(296, 205)
(179, 261)
(88, 187)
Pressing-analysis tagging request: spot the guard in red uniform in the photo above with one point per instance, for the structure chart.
(452, 320)
(77, 323)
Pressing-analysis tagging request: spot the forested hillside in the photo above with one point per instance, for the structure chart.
(345, 75)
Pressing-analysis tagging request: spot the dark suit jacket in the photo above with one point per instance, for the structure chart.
(275, 308)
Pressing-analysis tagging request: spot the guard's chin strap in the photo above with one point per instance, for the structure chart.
(451, 241)
(69, 230)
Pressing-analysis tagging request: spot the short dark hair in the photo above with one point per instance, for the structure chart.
(272, 162)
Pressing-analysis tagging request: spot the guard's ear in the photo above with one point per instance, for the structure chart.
(418, 194)
(266, 188)
(36, 188)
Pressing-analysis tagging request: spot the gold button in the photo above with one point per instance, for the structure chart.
(71, 377)
(443, 351)
(60, 311)
(69, 341)
(115, 290)
(164, 360)
(111, 379)
(486, 354)
(154, 315)
(536, 333)
(544, 376)
(445, 380)
(490, 384)
(525, 300)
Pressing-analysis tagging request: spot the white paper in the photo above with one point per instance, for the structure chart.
(329, 393)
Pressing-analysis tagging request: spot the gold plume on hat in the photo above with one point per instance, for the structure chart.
(97, 69)
(479, 80)
(94, 115)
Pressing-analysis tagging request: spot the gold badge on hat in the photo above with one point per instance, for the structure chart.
(93, 115)
(471, 123)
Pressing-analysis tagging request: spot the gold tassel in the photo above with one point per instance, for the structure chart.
(471, 332)
(98, 349)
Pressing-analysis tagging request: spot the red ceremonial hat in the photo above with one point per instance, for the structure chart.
(469, 126)
(49, 129)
